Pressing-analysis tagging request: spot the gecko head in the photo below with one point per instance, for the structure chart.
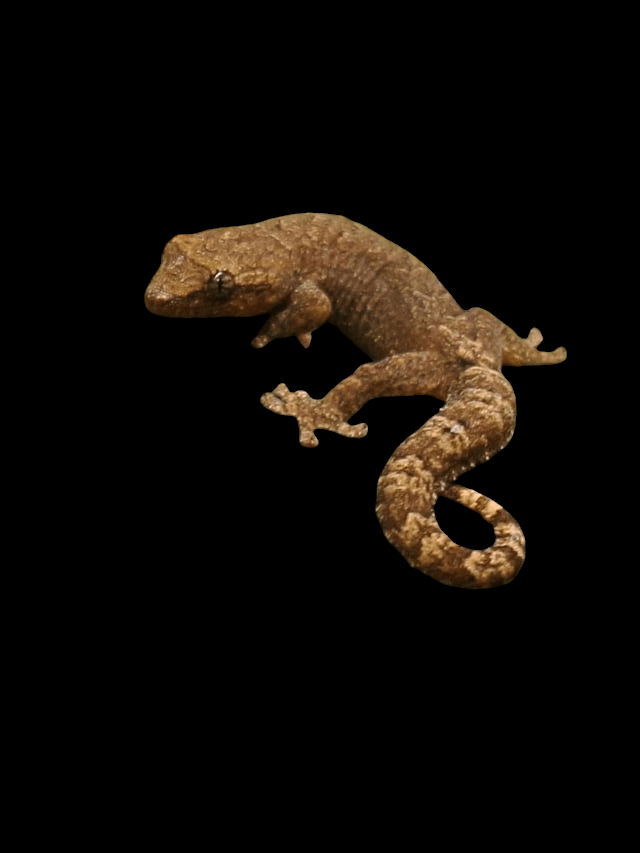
(206, 275)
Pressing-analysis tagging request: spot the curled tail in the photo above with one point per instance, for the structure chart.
(476, 422)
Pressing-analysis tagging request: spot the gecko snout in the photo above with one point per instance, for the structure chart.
(156, 300)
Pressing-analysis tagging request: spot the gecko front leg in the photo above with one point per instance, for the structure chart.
(305, 310)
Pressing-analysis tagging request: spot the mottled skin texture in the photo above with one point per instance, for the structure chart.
(311, 268)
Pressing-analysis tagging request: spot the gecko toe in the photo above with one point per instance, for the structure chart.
(353, 431)
(308, 437)
(560, 354)
(534, 337)
(276, 400)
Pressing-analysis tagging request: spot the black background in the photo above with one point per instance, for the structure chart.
(254, 585)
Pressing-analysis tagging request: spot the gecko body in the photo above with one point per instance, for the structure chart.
(310, 268)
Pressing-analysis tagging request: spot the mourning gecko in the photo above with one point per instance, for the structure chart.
(310, 268)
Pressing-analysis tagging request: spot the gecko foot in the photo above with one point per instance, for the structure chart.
(533, 339)
(311, 414)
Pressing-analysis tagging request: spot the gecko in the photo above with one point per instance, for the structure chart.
(307, 269)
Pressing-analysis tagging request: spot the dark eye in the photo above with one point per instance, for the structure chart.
(221, 282)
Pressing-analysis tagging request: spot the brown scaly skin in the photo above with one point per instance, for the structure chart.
(307, 269)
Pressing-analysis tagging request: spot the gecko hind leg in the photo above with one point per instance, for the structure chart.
(404, 375)
(519, 351)
(311, 414)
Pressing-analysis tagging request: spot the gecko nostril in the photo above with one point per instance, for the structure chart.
(155, 300)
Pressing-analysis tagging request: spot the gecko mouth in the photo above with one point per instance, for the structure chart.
(168, 305)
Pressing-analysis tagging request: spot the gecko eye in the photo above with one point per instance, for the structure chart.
(220, 283)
